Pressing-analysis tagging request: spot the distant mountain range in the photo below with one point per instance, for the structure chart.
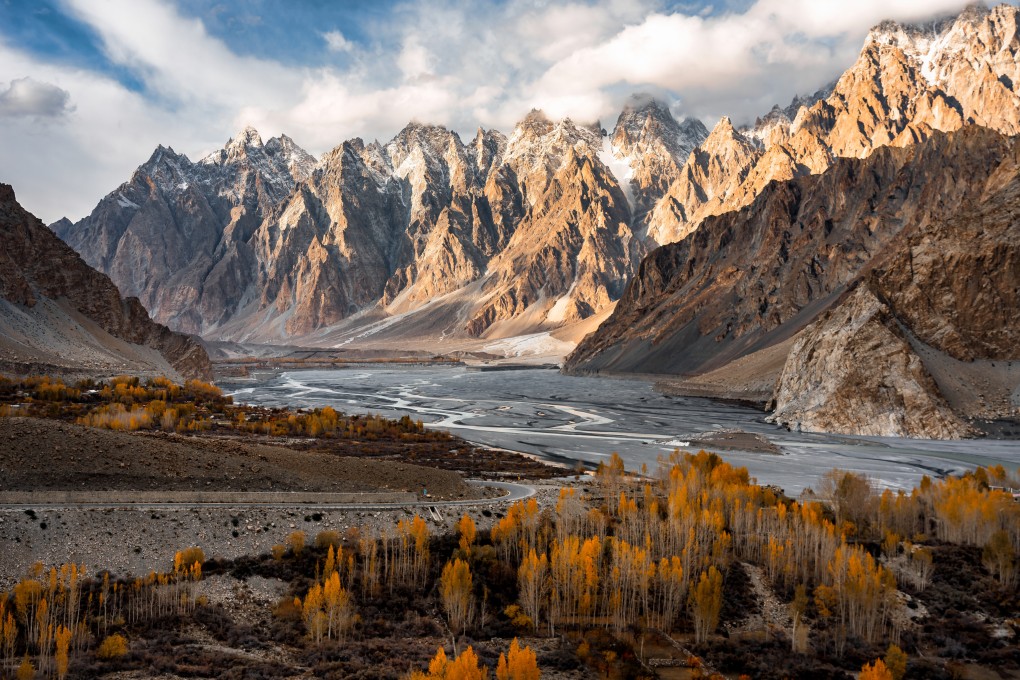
(750, 253)
(501, 236)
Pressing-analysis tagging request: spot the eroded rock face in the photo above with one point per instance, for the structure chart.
(323, 252)
(750, 277)
(570, 255)
(713, 173)
(853, 372)
(653, 148)
(36, 265)
(955, 282)
(451, 231)
(535, 221)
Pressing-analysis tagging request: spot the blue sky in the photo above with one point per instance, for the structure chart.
(89, 87)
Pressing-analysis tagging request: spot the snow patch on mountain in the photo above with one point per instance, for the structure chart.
(125, 202)
(618, 164)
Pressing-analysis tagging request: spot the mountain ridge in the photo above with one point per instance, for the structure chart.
(59, 315)
(886, 247)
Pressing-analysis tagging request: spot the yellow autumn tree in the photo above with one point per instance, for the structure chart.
(26, 671)
(296, 541)
(706, 603)
(327, 610)
(875, 671)
(113, 647)
(467, 530)
(438, 665)
(337, 606)
(518, 664)
(311, 610)
(8, 633)
(455, 586)
(464, 667)
(532, 584)
(62, 656)
(896, 662)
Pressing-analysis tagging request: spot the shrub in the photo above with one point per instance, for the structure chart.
(187, 557)
(296, 540)
(113, 647)
(325, 539)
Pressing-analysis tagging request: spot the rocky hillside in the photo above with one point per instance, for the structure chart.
(923, 234)
(57, 314)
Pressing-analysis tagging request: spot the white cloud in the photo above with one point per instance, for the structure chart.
(178, 59)
(456, 62)
(414, 60)
(730, 64)
(336, 42)
(331, 111)
(63, 166)
(28, 97)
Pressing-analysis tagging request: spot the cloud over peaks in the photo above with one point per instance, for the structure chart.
(177, 73)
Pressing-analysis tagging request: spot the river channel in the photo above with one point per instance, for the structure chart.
(566, 418)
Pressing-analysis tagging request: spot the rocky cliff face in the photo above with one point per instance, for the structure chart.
(854, 372)
(524, 222)
(907, 83)
(928, 228)
(571, 250)
(571, 254)
(324, 251)
(58, 310)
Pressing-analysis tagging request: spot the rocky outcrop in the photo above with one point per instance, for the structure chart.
(571, 254)
(713, 174)
(530, 222)
(451, 230)
(854, 372)
(744, 276)
(928, 230)
(955, 280)
(37, 269)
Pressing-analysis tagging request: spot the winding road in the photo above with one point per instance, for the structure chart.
(514, 492)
